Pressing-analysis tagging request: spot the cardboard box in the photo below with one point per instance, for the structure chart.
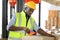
(37, 38)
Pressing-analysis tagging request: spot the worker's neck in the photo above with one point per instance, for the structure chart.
(27, 14)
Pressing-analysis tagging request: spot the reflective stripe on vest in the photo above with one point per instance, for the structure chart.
(22, 22)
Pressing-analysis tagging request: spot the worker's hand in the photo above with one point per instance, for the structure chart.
(26, 30)
(55, 38)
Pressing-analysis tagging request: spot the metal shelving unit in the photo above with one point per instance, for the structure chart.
(4, 18)
(39, 14)
(20, 4)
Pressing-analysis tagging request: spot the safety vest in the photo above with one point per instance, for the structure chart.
(21, 22)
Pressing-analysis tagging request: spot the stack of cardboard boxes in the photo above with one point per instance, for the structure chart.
(53, 20)
(54, 2)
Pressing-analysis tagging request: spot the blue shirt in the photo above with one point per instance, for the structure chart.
(12, 21)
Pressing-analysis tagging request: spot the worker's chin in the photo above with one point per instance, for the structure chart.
(30, 14)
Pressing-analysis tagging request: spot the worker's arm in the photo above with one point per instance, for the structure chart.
(12, 21)
(13, 28)
(40, 31)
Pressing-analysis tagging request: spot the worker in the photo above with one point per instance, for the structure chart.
(22, 23)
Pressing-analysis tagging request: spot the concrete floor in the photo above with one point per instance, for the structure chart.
(4, 39)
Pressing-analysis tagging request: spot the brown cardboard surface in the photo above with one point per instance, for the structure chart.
(37, 38)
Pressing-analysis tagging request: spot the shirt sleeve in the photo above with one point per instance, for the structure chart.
(12, 21)
(36, 27)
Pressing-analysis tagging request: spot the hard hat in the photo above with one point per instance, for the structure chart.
(31, 4)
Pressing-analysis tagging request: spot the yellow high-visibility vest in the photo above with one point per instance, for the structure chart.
(21, 22)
